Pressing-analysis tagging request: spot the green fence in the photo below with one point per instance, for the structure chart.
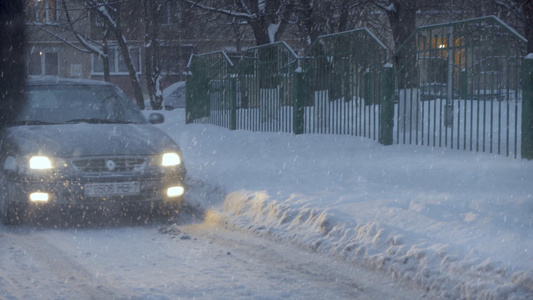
(265, 88)
(454, 85)
(458, 85)
(211, 90)
(342, 84)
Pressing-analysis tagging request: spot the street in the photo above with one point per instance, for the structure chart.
(191, 259)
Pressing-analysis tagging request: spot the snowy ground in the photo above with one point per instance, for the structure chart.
(454, 224)
(195, 260)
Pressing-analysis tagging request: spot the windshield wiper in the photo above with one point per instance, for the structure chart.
(32, 122)
(97, 121)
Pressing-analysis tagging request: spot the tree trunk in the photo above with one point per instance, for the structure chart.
(105, 59)
(113, 23)
(131, 69)
(152, 54)
(403, 22)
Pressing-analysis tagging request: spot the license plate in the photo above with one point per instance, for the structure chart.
(112, 189)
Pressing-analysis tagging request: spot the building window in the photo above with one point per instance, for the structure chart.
(172, 13)
(117, 66)
(43, 63)
(43, 11)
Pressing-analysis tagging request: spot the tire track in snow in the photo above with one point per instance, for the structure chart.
(30, 263)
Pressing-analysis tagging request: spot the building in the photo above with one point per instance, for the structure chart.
(53, 48)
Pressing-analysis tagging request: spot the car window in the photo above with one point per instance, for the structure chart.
(67, 103)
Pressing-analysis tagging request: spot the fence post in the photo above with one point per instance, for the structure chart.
(188, 97)
(298, 105)
(368, 88)
(233, 103)
(347, 88)
(386, 125)
(463, 84)
(527, 108)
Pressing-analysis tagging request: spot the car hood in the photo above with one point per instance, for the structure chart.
(74, 140)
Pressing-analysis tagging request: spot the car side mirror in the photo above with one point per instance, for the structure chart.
(156, 118)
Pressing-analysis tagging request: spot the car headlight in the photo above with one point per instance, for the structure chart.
(40, 163)
(170, 159)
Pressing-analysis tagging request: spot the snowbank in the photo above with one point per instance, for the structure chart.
(456, 225)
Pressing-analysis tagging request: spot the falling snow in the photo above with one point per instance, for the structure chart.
(455, 224)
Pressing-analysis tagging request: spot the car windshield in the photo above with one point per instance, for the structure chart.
(59, 104)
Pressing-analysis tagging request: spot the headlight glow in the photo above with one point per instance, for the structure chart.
(40, 163)
(39, 197)
(175, 191)
(170, 159)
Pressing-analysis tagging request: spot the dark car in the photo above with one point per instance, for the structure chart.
(83, 144)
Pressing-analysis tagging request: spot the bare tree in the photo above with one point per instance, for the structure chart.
(521, 11)
(401, 15)
(88, 44)
(110, 12)
(316, 17)
(268, 19)
(75, 25)
(152, 16)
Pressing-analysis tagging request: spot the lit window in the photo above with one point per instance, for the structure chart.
(46, 11)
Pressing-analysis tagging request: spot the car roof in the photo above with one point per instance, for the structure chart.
(65, 81)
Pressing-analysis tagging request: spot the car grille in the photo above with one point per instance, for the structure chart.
(111, 164)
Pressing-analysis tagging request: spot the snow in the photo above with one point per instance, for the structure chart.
(455, 224)
(272, 31)
(261, 6)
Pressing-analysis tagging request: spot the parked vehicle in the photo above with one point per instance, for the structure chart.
(174, 96)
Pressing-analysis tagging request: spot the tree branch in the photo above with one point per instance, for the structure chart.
(248, 16)
(89, 47)
(63, 39)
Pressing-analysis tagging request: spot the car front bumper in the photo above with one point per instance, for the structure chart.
(70, 191)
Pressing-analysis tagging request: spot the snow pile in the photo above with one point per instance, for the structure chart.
(453, 224)
(439, 269)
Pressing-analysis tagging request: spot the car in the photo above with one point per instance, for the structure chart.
(81, 145)
(173, 96)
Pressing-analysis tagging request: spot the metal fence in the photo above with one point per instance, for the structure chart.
(211, 92)
(265, 88)
(455, 85)
(342, 83)
(458, 85)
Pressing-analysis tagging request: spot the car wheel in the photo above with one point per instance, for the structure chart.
(10, 213)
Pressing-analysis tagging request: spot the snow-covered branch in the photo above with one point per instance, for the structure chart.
(510, 6)
(90, 47)
(388, 9)
(62, 39)
(247, 15)
(244, 7)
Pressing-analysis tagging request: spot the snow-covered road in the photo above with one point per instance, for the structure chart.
(193, 260)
